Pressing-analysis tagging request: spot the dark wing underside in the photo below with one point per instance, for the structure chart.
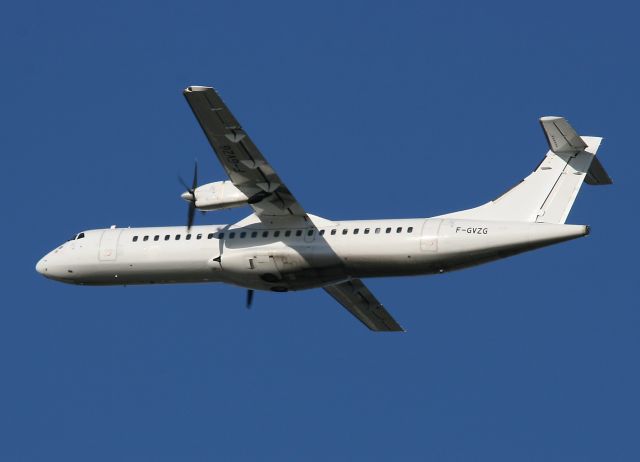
(361, 303)
(244, 163)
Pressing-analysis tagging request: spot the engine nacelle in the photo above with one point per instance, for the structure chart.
(219, 195)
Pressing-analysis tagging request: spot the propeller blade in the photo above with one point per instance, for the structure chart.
(191, 214)
(184, 184)
(249, 298)
(192, 191)
(195, 176)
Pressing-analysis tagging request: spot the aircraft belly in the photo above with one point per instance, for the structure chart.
(384, 258)
(282, 268)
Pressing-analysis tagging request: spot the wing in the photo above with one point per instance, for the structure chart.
(244, 163)
(361, 303)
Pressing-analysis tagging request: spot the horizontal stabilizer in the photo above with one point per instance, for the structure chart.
(597, 175)
(561, 136)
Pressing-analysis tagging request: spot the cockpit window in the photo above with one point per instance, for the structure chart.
(77, 236)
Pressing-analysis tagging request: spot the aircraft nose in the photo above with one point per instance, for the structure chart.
(52, 268)
(41, 266)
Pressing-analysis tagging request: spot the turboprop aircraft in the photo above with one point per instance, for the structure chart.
(281, 247)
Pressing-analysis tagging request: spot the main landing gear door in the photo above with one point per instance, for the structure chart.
(265, 266)
(429, 238)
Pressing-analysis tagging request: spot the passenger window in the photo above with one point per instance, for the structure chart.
(135, 238)
(333, 232)
(377, 230)
(232, 235)
(287, 233)
(167, 237)
(388, 230)
(356, 231)
(310, 232)
(243, 235)
(299, 232)
(177, 237)
(210, 236)
(156, 237)
(345, 231)
(188, 237)
(276, 233)
(146, 238)
(254, 234)
(410, 229)
(199, 236)
(366, 230)
(399, 230)
(321, 232)
(265, 234)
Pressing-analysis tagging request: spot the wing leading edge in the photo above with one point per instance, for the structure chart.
(361, 303)
(247, 168)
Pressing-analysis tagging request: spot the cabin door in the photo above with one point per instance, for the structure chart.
(109, 244)
(429, 238)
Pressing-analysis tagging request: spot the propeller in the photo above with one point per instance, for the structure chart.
(190, 195)
(249, 298)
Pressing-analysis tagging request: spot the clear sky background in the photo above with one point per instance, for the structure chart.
(366, 110)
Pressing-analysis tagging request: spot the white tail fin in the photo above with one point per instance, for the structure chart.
(548, 193)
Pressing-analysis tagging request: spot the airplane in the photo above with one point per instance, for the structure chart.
(280, 247)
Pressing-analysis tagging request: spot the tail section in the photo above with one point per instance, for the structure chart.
(548, 193)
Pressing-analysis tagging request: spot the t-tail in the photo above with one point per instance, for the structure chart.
(547, 194)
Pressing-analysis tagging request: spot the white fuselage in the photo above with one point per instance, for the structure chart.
(270, 257)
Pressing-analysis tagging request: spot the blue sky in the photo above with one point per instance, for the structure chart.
(366, 110)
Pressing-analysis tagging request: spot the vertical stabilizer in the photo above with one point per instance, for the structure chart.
(548, 193)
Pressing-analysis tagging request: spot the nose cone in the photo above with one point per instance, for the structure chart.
(187, 196)
(41, 266)
(53, 267)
